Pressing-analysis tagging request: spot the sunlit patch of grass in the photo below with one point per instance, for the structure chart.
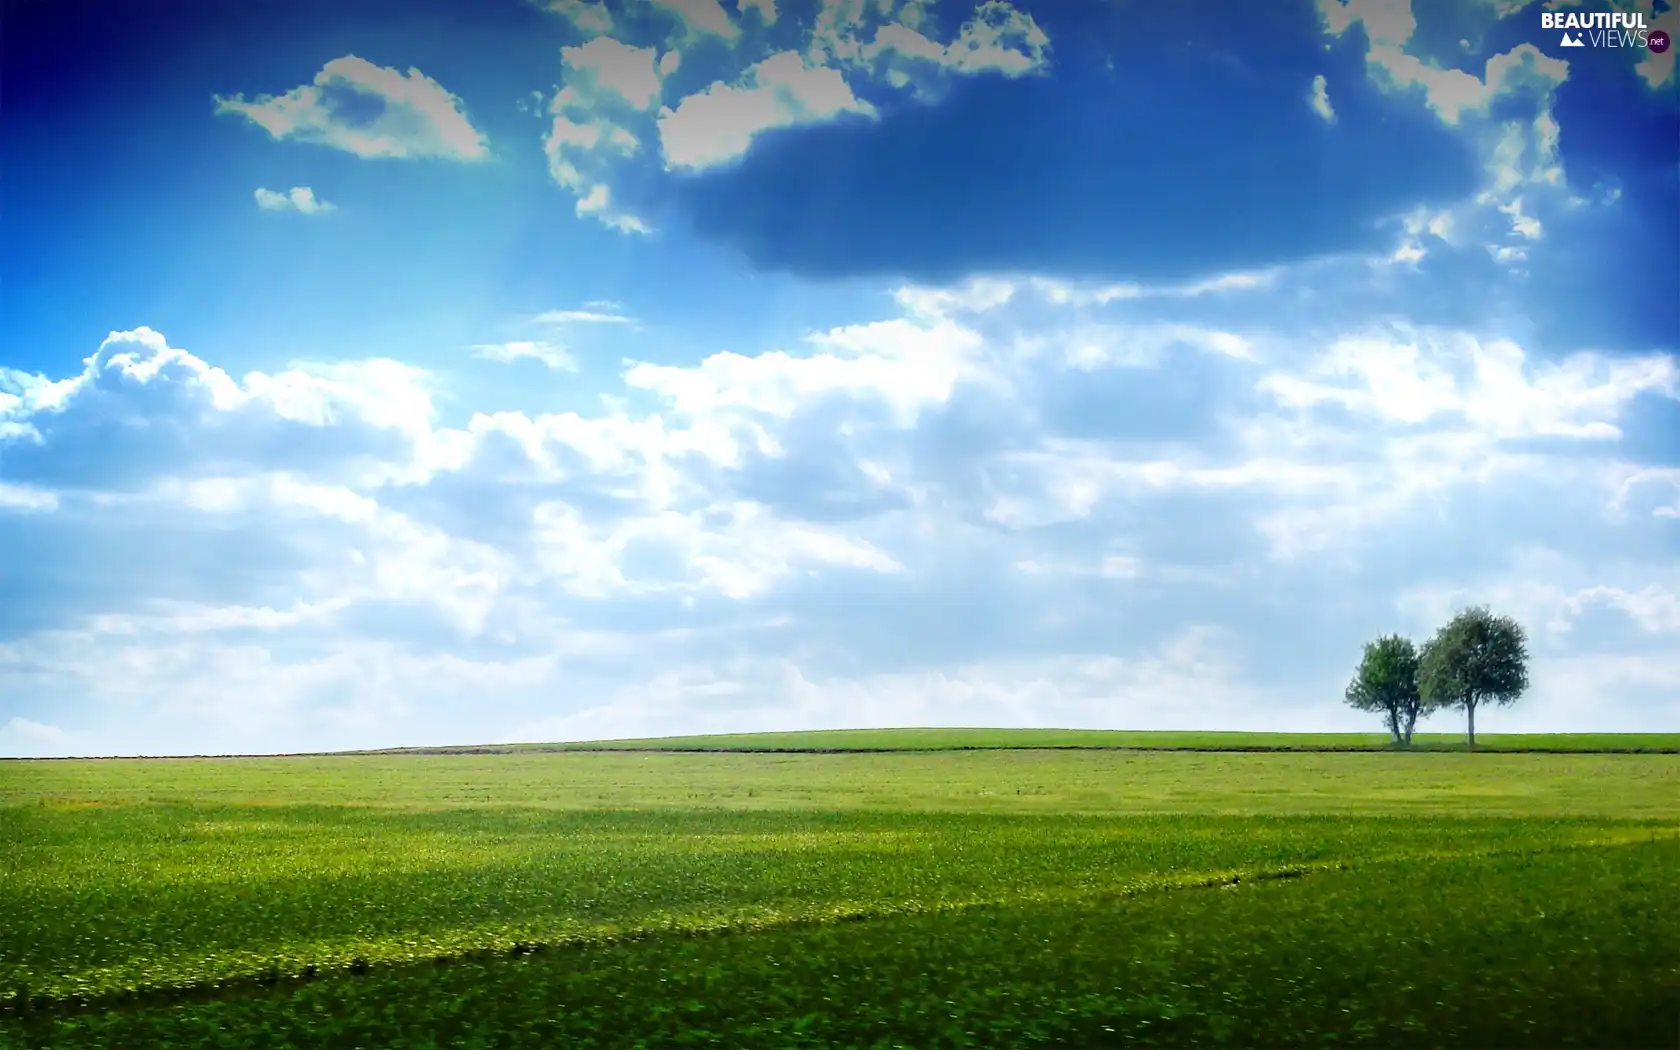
(1019, 781)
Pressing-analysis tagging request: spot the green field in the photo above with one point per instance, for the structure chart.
(891, 898)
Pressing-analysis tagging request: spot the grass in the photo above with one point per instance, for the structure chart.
(953, 739)
(995, 781)
(1392, 954)
(865, 740)
(1012, 898)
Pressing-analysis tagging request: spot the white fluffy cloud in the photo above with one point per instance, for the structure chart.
(904, 364)
(140, 406)
(1389, 27)
(605, 65)
(1000, 38)
(368, 110)
(300, 199)
(718, 125)
(610, 101)
(579, 155)
(1320, 98)
(1014, 502)
(1488, 385)
(701, 17)
(606, 82)
(591, 17)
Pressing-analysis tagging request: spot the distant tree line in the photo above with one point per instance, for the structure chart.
(1476, 658)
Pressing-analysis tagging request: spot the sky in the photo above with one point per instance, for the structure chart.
(388, 374)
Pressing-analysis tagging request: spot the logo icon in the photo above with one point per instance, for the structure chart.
(1604, 28)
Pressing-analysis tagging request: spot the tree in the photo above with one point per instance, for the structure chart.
(1475, 658)
(1386, 681)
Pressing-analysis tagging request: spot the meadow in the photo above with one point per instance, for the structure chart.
(892, 897)
(843, 740)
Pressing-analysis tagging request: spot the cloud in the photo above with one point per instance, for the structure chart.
(611, 87)
(601, 133)
(1653, 68)
(139, 406)
(1654, 608)
(25, 730)
(1075, 175)
(588, 16)
(702, 17)
(1558, 599)
(1320, 99)
(718, 125)
(578, 155)
(26, 498)
(25, 738)
(555, 357)
(1641, 480)
(1566, 196)
(1451, 92)
(1013, 501)
(974, 99)
(602, 313)
(605, 65)
(1489, 385)
(999, 38)
(1517, 154)
(299, 199)
(1468, 138)
(1390, 29)
(368, 110)
(1063, 292)
(1386, 24)
(582, 145)
(599, 202)
(903, 364)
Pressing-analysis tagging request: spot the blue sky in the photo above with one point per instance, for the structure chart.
(388, 374)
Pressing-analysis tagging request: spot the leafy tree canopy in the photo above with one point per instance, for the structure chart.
(1387, 682)
(1476, 658)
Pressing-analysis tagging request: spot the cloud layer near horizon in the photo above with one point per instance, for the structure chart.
(989, 505)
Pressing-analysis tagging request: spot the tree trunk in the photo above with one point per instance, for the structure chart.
(1411, 723)
(1471, 707)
